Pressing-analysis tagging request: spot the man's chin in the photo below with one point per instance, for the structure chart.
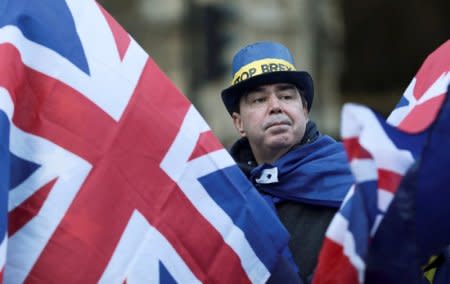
(280, 142)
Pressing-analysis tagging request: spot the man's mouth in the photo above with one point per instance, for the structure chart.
(277, 123)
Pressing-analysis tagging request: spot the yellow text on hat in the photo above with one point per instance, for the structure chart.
(262, 66)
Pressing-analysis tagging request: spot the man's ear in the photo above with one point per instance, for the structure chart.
(237, 121)
(306, 113)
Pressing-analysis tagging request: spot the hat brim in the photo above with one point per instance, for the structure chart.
(302, 80)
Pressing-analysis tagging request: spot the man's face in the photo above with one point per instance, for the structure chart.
(273, 118)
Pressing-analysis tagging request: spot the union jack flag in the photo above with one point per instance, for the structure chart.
(380, 154)
(410, 245)
(423, 98)
(112, 174)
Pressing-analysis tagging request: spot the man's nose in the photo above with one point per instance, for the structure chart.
(274, 104)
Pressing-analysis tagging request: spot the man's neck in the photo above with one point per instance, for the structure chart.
(269, 156)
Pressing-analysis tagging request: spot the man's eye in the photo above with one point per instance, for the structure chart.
(287, 97)
(259, 100)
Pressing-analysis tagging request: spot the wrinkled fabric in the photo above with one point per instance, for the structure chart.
(316, 173)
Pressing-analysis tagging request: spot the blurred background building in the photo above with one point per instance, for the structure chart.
(357, 51)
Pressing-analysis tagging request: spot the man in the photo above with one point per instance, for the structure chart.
(303, 174)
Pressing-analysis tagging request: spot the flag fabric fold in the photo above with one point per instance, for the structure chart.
(111, 174)
(370, 228)
(415, 226)
(378, 160)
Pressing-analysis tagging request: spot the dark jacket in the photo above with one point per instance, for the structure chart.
(305, 210)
